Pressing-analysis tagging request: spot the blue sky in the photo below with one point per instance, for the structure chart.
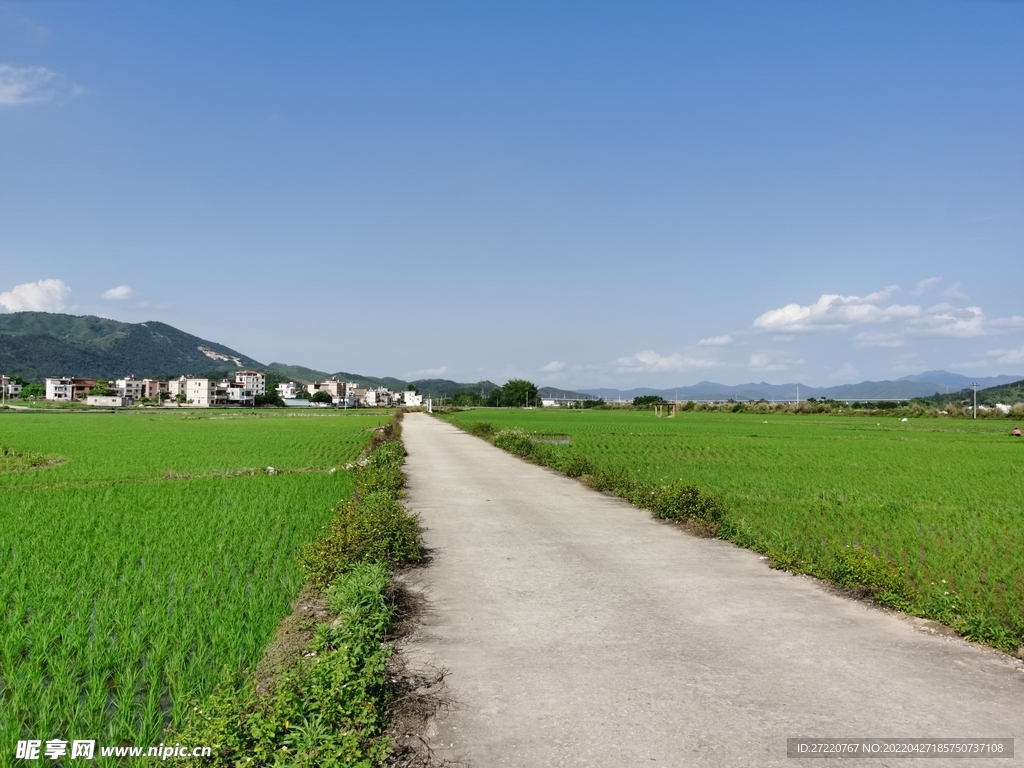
(585, 194)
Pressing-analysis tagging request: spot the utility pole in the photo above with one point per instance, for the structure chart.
(975, 386)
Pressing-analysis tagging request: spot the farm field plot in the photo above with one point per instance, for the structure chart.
(943, 500)
(153, 558)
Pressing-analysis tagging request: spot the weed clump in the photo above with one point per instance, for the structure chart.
(855, 567)
(331, 710)
(514, 440)
(480, 429)
(686, 501)
(371, 526)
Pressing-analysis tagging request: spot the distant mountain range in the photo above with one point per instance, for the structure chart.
(37, 345)
(921, 385)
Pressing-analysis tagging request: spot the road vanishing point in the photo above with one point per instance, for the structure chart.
(578, 631)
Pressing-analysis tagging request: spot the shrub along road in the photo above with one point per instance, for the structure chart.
(577, 630)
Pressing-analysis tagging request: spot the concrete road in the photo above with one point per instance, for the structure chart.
(578, 631)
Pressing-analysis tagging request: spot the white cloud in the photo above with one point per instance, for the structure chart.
(924, 285)
(31, 85)
(846, 372)
(715, 341)
(1009, 356)
(878, 340)
(34, 30)
(431, 371)
(120, 293)
(764, 361)
(833, 312)
(954, 292)
(44, 296)
(650, 361)
(553, 366)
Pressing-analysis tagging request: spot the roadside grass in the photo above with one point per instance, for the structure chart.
(330, 707)
(922, 517)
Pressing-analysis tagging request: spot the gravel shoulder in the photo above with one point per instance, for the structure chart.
(577, 631)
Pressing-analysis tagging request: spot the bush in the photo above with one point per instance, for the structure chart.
(481, 429)
(372, 526)
(855, 567)
(514, 440)
(576, 465)
(686, 501)
(375, 528)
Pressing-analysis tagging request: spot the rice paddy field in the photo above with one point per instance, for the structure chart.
(941, 499)
(144, 556)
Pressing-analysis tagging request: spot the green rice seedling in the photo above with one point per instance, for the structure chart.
(145, 557)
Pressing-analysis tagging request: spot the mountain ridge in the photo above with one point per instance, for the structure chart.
(898, 389)
(38, 345)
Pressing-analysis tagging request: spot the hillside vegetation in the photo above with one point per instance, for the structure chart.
(35, 345)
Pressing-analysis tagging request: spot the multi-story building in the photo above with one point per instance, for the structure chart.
(151, 388)
(178, 386)
(8, 388)
(80, 387)
(289, 390)
(130, 388)
(205, 393)
(412, 399)
(238, 393)
(59, 389)
(254, 380)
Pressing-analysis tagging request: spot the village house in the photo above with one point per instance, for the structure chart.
(8, 388)
(59, 389)
(253, 380)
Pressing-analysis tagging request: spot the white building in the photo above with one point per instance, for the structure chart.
(111, 401)
(205, 393)
(59, 389)
(130, 388)
(289, 390)
(254, 380)
(8, 388)
(177, 387)
(412, 399)
(238, 393)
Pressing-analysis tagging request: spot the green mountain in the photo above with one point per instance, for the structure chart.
(36, 345)
(448, 388)
(297, 373)
(1003, 393)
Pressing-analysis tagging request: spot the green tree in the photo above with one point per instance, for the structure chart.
(321, 396)
(100, 389)
(645, 401)
(464, 399)
(519, 393)
(32, 390)
(304, 395)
